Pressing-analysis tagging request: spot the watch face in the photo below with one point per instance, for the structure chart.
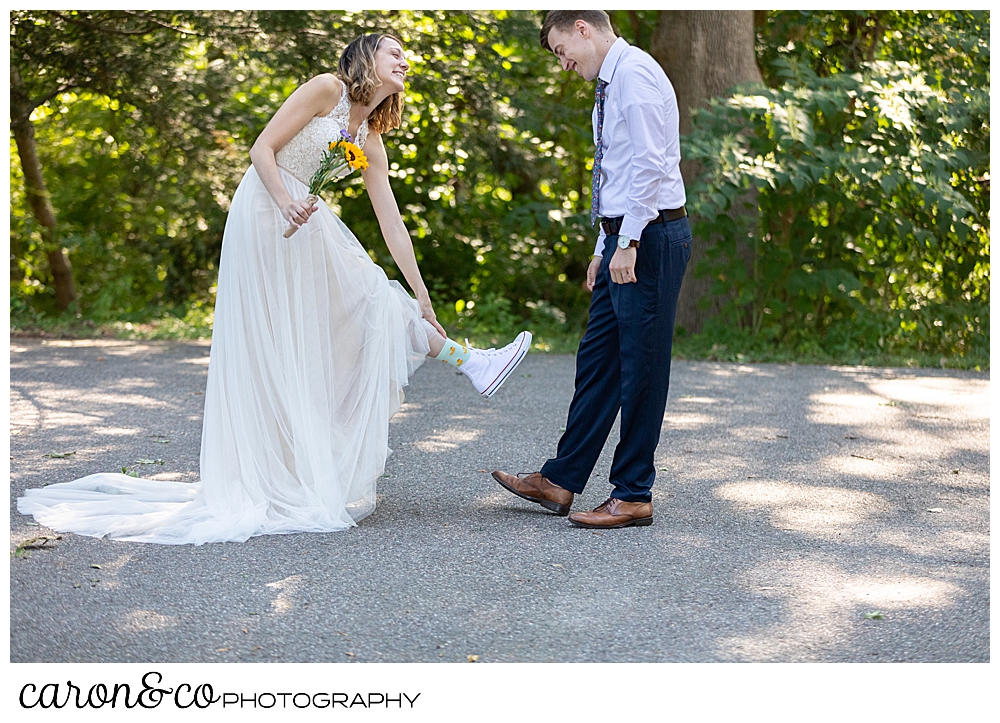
(624, 242)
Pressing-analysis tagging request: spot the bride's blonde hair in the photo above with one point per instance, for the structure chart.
(356, 70)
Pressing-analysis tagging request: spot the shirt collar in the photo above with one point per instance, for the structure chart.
(611, 59)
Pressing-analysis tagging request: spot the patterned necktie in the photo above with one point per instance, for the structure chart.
(595, 185)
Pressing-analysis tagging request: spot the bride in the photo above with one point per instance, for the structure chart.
(312, 343)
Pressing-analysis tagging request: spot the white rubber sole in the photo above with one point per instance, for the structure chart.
(522, 350)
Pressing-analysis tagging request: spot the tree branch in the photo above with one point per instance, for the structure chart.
(99, 28)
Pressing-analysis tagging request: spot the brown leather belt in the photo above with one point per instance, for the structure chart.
(612, 226)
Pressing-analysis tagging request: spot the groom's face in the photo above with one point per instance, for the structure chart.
(575, 50)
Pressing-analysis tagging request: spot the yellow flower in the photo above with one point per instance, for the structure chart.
(354, 156)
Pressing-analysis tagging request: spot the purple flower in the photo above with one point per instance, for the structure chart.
(347, 136)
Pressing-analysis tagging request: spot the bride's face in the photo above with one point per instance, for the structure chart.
(391, 65)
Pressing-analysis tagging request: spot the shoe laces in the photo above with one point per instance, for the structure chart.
(468, 347)
(493, 351)
(605, 505)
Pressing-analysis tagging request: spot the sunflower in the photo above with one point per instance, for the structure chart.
(354, 156)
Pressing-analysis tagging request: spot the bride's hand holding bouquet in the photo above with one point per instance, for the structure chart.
(341, 158)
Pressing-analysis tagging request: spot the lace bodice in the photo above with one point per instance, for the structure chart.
(301, 155)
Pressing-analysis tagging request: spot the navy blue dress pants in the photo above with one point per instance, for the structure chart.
(624, 364)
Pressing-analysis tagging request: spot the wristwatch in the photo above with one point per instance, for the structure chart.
(625, 242)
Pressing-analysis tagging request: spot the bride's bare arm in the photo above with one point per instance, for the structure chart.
(316, 97)
(397, 238)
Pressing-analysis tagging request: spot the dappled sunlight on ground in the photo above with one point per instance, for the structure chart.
(139, 408)
(854, 403)
(691, 399)
(406, 409)
(947, 544)
(863, 467)
(735, 370)
(822, 602)
(23, 412)
(804, 508)
(286, 590)
(789, 502)
(756, 433)
(446, 439)
(900, 428)
(141, 621)
(108, 572)
(688, 420)
(873, 484)
(498, 498)
(61, 420)
(970, 395)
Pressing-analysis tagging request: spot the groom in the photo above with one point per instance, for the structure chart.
(643, 247)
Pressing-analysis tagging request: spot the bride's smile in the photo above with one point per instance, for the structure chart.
(391, 65)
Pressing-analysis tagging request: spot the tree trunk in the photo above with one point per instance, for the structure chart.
(705, 53)
(38, 195)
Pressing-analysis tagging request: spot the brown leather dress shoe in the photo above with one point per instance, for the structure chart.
(615, 513)
(535, 488)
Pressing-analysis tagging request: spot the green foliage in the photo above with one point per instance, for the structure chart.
(492, 184)
(871, 240)
(137, 218)
(872, 230)
(480, 168)
(951, 46)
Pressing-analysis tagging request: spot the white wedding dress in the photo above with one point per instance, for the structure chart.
(311, 349)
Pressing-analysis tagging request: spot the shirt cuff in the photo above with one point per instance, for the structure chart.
(633, 227)
(599, 248)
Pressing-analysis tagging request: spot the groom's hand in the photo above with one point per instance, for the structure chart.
(595, 266)
(622, 266)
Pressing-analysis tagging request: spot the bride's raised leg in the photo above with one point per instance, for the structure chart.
(487, 369)
(434, 340)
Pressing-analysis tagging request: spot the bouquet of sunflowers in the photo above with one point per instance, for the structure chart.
(340, 159)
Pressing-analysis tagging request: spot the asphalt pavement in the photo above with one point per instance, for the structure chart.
(802, 513)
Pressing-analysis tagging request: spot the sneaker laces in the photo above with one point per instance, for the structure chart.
(493, 351)
(468, 347)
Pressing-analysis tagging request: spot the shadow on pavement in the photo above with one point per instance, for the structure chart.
(791, 502)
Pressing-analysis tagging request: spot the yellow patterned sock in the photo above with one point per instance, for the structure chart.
(455, 353)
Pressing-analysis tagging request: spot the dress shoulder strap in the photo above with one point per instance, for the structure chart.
(343, 107)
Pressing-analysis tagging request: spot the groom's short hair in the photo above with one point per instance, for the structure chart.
(564, 20)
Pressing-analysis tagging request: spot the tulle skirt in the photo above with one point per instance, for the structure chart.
(311, 348)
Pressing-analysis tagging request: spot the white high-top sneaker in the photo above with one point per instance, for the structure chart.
(487, 369)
